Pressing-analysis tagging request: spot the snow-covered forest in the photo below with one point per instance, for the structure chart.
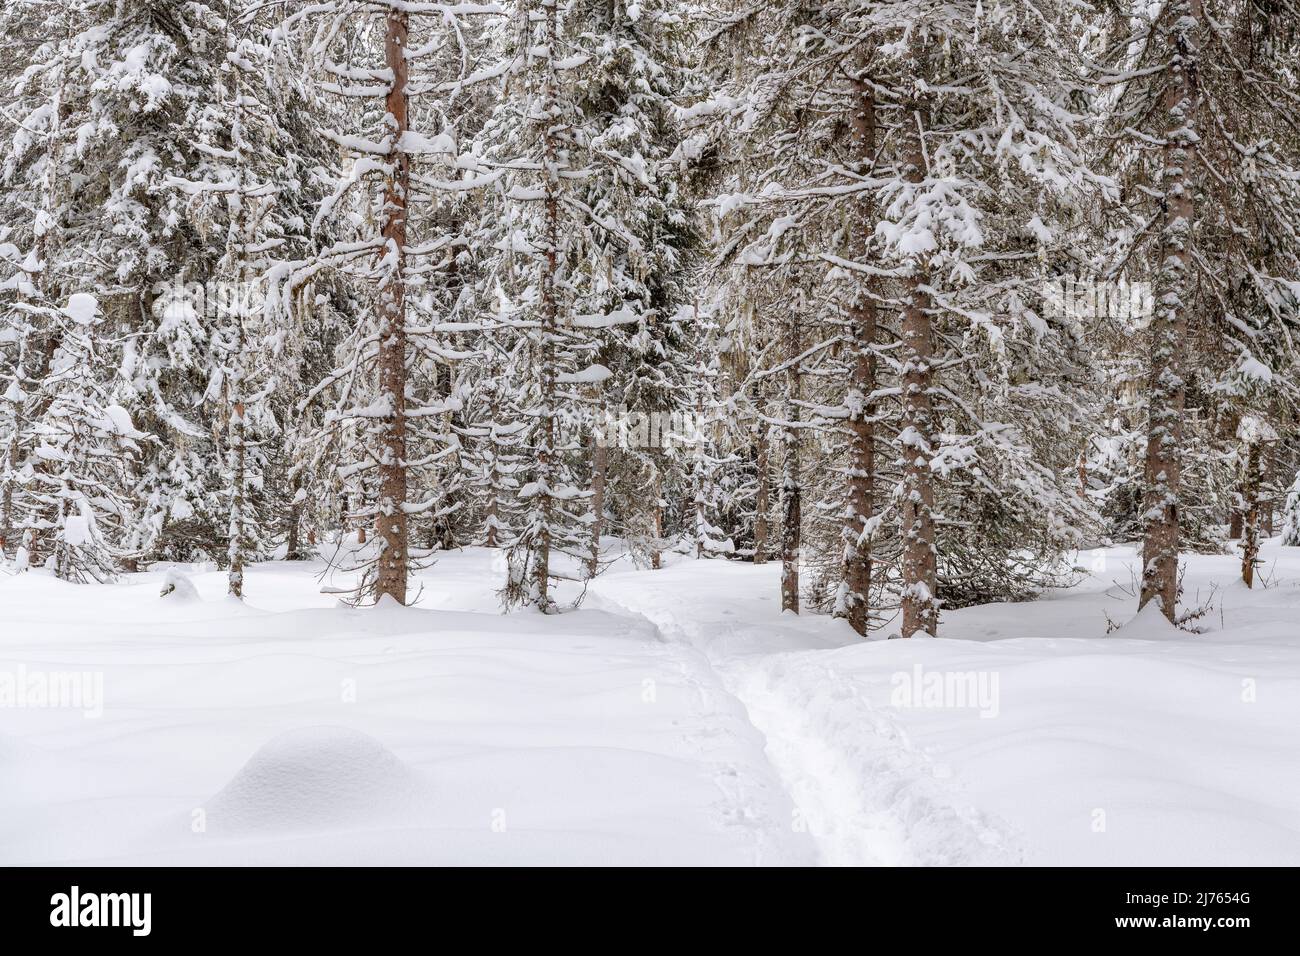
(715, 329)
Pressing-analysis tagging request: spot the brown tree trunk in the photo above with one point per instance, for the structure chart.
(235, 378)
(657, 519)
(238, 541)
(391, 520)
(7, 494)
(1166, 388)
(549, 294)
(599, 468)
(699, 476)
(919, 564)
(1250, 503)
(861, 472)
(493, 517)
(32, 545)
(761, 496)
(293, 540)
(791, 479)
(490, 539)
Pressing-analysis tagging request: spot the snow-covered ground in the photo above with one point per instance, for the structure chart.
(677, 718)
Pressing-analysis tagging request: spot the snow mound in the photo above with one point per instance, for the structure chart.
(317, 778)
(179, 586)
(1150, 624)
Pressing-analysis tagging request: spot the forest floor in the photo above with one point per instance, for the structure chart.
(678, 717)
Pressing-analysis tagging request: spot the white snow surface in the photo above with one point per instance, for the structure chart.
(677, 718)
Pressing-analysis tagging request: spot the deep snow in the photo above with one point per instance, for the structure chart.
(677, 718)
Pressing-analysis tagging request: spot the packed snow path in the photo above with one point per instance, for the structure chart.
(678, 718)
(865, 795)
(1145, 745)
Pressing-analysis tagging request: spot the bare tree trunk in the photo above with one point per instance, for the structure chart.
(391, 520)
(657, 518)
(292, 543)
(490, 539)
(699, 476)
(238, 538)
(791, 483)
(1166, 387)
(14, 451)
(293, 540)
(442, 529)
(493, 517)
(920, 603)
(1250, 503)
(599, 468)
(235, 379)
(62, 556)
(761, 495)
(32, 545)
(861, 472)
(550, 321)
(12, 454)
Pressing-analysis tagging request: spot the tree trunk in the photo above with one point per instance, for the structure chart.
(599, 468)
(657, 519)
(861, 473)
(1166, 387)
(920, 604)
(490, 539)
(235, 379)
(238, 537)
(18, 448)
(493, 517)
(1250, 505)
(791, 484)
(391, 520)
(549, 294)
(701, 525)
(761, 503)
(293, 540)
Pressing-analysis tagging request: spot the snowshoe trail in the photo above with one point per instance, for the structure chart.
(863, 791)
(857, 786)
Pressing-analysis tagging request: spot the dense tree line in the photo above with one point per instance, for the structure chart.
(916, 297)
